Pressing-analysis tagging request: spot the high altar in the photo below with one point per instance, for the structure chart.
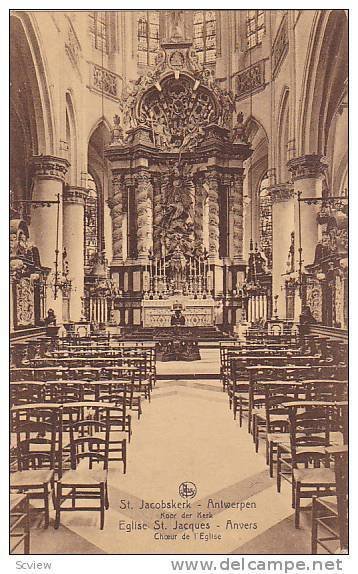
(176, 197)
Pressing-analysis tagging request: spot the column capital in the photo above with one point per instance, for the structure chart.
(143, 175)
(281, 192)
(75, 194)
(49, 167)
(307, 166)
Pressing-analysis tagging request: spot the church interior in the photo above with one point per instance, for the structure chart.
(179, 281)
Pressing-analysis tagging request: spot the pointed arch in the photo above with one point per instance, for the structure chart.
(102, 122)
(72, 139)
(326, 72)
(29, 74)
(282, 139)
(256, 167)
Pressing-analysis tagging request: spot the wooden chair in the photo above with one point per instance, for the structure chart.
(277, 420)
(82, 482)
(330, 514)
(309, 437)
(36, 454)
(19, 523)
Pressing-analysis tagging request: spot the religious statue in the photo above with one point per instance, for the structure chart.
(178, 268)
(239, 129)
(175, 25)
(177, 222)
(118, 136)
(161, 133)
(51, 318)
(227, 107)
(177, 319)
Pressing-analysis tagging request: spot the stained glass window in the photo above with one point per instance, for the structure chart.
(266, 220)
(91, 225)
(148, 37)
(255, 27)
(98, 27)
(204, 37)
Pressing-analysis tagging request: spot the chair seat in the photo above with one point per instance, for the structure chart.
(30, 478)
(300, 450)
(279, 437)
(314, 476)
(84, 477)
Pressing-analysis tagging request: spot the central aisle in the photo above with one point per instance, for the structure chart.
(187, 434)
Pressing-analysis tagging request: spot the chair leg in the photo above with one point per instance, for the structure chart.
(53, 493)
(257, 438)
(46, 505)
(314, 532)
(278, 470)
(102, 504)
(124, 453)
(297, 504)
(267, 452)
(271, 449)
(106, 496)
(58, 505)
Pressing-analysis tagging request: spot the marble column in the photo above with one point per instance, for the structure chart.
(212, 188)
(157, 210)
(144, 209)
(307, 172)
(236, 216)
(73, 242)
(116, 207)
(201, 213)
(48, 175)
(283, 225)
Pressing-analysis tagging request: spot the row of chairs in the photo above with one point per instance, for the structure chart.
(301, 420)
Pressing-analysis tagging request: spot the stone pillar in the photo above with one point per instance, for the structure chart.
(157, 211)
(212, 188)
(236, 216)
(73, 242)
(307, 172)
(283, 225)
(48, 174)
(144, 208)
(201, 219)
(116, 207)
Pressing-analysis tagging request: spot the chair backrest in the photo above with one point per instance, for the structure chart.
(86, 445)
(36, 443)
(309, 427)
(275, 396)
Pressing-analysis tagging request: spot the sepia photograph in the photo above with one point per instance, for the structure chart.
(178, 260)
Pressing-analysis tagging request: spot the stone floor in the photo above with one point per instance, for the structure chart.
(186, 434)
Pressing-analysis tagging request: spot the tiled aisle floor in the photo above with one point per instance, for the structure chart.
(187, 433)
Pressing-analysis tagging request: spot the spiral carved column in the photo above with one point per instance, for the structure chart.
(199, 211)
(212, 181)
(236, 209)
(144, 208)
(157, 214)
(116, 206)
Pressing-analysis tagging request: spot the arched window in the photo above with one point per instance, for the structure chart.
(255, 27)
(148, 37)
(204, 40)
(91, 225)
(98, 27)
